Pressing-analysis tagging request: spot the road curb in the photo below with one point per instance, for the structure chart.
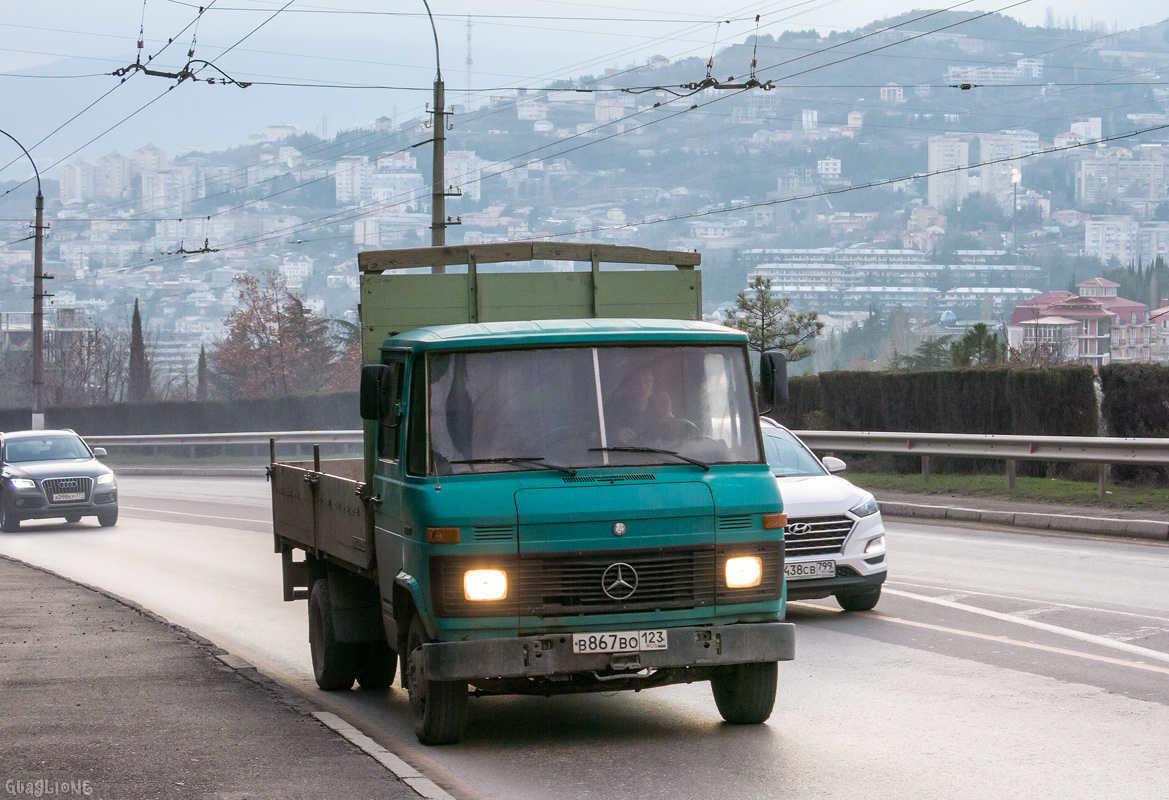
(1156, 530)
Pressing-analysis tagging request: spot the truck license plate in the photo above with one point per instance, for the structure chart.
(619, 641)
(809, 569)
(64, 498)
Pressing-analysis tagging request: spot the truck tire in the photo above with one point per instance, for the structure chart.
(439, 708)
(745, 693)
(859, 601)
(334, 664)
(376, 665)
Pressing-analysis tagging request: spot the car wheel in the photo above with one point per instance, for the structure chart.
(334, 663)
(8, 522)
(73, 518)
(108, 520)
(745, 693)
(859, 601)
(439, 708)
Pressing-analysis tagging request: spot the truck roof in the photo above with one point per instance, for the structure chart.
(563, 331)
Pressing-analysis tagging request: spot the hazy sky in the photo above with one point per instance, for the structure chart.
(367, 42)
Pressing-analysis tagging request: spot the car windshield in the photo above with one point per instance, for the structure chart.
(44, 448)
(581, 407)
(787, 456)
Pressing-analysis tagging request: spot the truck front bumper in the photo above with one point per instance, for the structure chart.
(541, 656)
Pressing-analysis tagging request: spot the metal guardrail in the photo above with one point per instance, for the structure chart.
(1102, 451)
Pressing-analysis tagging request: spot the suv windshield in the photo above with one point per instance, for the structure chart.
(582, 407)
(44, 448)
(787, 456)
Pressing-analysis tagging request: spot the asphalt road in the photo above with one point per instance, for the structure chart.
(997, 664)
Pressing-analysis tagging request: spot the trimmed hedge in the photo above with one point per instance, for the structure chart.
(802, 409)
(1136, 399)
(296, 413)
(1058, 402)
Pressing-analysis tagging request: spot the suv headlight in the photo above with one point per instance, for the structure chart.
(866, 507)
(103, 479)
(23, 483)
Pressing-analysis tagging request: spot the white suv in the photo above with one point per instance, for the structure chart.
(835, 538)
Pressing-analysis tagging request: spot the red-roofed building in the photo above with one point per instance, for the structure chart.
(1160, 319)
(1110, 328)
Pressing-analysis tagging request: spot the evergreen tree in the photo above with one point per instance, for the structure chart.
(138, 389)
(201, 387)
(771, 324)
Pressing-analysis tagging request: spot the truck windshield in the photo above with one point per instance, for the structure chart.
(582, 407)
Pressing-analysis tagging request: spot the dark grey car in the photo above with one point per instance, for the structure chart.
(53, 475)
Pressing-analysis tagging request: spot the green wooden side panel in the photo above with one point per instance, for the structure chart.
(391, 304)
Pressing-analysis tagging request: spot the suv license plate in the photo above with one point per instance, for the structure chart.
(809, 569)
(64, 498)
(619, 641)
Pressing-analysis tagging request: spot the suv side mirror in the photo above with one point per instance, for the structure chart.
(99, 452)
(773, 378)
(833, 464)
(377, 392)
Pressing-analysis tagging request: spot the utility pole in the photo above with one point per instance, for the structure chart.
(38, 294)
(438, 192)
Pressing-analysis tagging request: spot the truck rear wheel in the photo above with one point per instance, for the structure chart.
(334, 663)
(745, 693)
(376, 664)
(439, 708)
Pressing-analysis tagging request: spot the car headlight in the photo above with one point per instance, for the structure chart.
(23, 483)
(485, 584)
(875, 544)
(866, 507)
(744, 572)
(107, 478)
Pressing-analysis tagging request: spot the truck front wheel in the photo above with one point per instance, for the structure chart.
(439, 708)
(334, 663)
(745, 693)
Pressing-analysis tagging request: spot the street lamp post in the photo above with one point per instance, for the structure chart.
(38, 291)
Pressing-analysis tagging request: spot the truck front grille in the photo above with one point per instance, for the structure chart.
(57, 486)
(573, 583)
(816, 536)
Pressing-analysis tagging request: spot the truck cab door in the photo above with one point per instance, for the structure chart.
(389, 520)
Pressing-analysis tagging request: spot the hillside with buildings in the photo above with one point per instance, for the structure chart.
(987, 196)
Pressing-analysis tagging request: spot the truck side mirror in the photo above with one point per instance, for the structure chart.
(773, 378)
(376, 391)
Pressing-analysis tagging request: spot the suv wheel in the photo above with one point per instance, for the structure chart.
(109, 519)
(8, 522)
(859, 601)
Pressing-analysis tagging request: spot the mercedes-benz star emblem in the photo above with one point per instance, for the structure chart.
(619, 528)
(799, 528)
(619, 581)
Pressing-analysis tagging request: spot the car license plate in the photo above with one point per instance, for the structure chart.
(795, 571)
(619, 641)
(64, 498)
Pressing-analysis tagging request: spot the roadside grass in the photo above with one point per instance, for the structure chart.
(1053, 491)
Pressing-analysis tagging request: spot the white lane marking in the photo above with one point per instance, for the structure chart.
(1017, 643)
(1055, 606)
(1042, 626)
(408, 775)
(189, 514)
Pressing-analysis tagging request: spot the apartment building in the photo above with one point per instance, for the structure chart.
(947, 154)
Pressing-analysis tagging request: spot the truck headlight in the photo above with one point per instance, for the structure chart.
(107, 478)
(485, 584)
(744, 572)
(23, 483)
(865, 508)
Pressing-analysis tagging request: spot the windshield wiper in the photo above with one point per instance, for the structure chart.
(531, 462)
(673, 453)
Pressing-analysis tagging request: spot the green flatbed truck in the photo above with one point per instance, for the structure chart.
(563, 490)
